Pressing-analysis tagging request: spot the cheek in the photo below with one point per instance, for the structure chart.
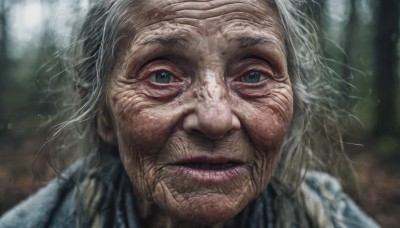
(266, 124)
(268, 128)
(142, 128)
(142, 124)
(268, 121)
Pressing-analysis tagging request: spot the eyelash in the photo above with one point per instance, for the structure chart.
(264, 74)
(152, 69)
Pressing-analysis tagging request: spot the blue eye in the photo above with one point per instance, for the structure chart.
(252, 77)
(162, 77)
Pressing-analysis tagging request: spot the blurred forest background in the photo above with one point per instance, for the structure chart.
(360, 39)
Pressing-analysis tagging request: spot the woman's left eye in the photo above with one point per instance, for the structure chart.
(252, 77)
(162, 77)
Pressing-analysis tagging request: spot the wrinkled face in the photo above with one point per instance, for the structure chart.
(200, 100)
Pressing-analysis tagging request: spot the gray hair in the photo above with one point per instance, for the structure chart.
(313, 140)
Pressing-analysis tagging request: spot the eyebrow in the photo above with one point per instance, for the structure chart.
(175, 42)
(245, 42)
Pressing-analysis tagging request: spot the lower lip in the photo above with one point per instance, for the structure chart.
(209, 175)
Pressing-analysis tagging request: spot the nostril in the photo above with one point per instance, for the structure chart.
(197, 133)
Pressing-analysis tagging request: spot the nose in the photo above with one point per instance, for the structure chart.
(213, 116)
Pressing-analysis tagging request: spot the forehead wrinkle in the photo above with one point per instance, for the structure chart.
(190, 12)
(253, 24)
(203, 19)
(172, 6)
(200, 5)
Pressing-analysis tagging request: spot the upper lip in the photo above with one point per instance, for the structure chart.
(209, 160)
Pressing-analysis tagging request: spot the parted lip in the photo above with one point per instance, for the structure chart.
(209, 169)
(209, 160)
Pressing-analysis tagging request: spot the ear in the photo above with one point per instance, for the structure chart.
(105, 127)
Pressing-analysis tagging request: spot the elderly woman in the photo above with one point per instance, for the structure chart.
(196, 113)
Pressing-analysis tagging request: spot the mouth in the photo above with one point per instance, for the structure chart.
(210, 166)
(205, 169)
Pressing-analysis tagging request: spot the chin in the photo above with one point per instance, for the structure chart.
(191, 196)
(208, 210)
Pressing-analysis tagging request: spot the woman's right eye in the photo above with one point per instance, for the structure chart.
(162, 77)
(252, 77)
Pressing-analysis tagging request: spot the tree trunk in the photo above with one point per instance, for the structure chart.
(4, 64)
(386, 68)
(3, 35)
(348, 46)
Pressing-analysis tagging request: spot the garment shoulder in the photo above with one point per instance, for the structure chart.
(326, 200)
(45, 206)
